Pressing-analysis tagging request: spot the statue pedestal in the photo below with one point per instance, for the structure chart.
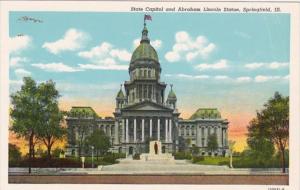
(156, 155)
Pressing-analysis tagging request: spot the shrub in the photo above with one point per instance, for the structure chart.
(182, 156)
(109, 158)
(136, 156)
(196, 159)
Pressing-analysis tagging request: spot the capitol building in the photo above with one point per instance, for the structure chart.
(145, 111)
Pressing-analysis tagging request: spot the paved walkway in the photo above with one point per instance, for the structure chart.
(133, 167)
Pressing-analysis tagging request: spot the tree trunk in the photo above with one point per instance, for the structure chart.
(282, 160)
(49, 152)
(30, 152)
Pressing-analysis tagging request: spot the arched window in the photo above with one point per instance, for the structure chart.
(149, 73)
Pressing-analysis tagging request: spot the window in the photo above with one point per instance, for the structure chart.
(149, 73)
(149, 91)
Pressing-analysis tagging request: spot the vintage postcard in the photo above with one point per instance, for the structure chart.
(203, 94)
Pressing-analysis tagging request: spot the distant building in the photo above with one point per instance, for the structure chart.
(142, 113)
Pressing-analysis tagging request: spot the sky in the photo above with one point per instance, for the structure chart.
(233, 62)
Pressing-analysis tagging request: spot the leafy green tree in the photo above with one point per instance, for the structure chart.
(275, 118)
(26, 113)
(100, 141)
(57, 152)
(50, 129)
(212, 143)
(14, 152)
(261, 148)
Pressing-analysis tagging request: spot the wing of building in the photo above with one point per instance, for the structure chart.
(142, 114)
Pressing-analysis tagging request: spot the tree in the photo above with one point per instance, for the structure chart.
(212, 143)
(261, 148)
(99, 141)
(81, 127)
(14, 152)
(275, 118)
(195, 150)
(50, 130)
(26, 113)
(231, 148)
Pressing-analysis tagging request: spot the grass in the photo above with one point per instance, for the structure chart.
(216, 160)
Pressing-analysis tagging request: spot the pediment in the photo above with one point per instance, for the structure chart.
(147, 106)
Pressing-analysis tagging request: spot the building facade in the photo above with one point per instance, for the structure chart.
(143, 114)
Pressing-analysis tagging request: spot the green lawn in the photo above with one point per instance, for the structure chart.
(217, 160)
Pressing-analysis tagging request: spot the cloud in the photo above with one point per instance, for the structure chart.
(155, 43)
(122, 55)
(55, 67)
(277, 65)
(18, 43)
(233, 80)
(105, 57)
(185, 76)
(221, 64)
(20, 73)
(271, 65)
(254, 65)
(188, 48)
(221, 77)
(243, 79)
(16, 61)
(262, 78)
(103, 67)
(72, 40)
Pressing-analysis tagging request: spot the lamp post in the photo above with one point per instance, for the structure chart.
(92, 156)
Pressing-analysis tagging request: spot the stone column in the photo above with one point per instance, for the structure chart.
(109, 131)
(134, 130)
(184, 130)
(166, 131)
(143, 130)
(205, 135)
(123, 130)
(127, 134)
(226, 137)
(170, 130)
(116, 140)
(179, 130)
(150, 128)
(219, 136)
(198, 136)
(104, 129)
(158, 129)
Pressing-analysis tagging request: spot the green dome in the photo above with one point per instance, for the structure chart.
(120, 94)
(144, 51)
(206, 113)
(172, 95)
